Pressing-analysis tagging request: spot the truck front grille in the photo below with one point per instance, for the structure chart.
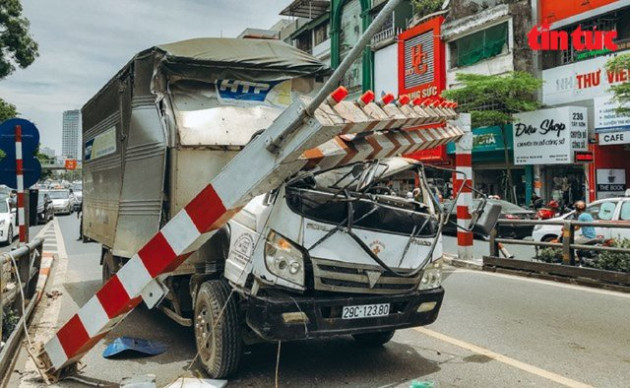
(353, 278)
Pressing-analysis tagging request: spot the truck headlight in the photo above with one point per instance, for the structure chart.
(537, 227)
(1, 222)
(284, 259)
(432, 276)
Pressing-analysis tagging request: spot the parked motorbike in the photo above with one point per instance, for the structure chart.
(550, 211)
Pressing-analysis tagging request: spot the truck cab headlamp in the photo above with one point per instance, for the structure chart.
(432, 276)
(284, 259)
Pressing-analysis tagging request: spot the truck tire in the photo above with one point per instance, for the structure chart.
(219, 350)
(111, 265)
(374, 339)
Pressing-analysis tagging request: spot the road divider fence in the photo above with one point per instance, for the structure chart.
(574, 267)
(19, 274)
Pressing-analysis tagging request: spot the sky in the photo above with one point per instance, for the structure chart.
(83, 43)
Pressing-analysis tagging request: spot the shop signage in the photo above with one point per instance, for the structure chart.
(552, 11)
(606, 119)
(421, 60)
(540, 38)
(579, 81)
(610, 183)
(550, 136)
(421, 69)
(487, 139)
(612, 138)
(584, 157)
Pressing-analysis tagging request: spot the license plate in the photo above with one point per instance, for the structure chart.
(365, 311)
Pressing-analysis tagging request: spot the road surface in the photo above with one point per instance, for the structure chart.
(493, 331)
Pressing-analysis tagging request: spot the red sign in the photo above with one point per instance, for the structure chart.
(583, 156)
(552, 11)
(540, 38)
(71, 164)
(421, 60)
(421, 71)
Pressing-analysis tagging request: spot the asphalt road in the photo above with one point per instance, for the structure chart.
(33, 230)
(493, 331)
(482, 248)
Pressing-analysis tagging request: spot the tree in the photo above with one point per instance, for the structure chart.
(17, 48)
(7, 110)
(426, 7)
(621, 91)
(492, 100)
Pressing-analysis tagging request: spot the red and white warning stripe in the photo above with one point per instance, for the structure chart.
(19, 172)
(463, 163)
(44, 272)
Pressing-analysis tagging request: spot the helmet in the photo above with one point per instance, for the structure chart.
(553, 204)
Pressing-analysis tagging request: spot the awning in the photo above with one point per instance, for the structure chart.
(309, 9)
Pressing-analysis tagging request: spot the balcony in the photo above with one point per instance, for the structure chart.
(385, 37)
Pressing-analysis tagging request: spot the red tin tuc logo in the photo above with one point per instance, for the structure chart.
(540, 38)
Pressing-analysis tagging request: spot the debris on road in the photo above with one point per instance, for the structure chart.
(128, 344)
(191, 382)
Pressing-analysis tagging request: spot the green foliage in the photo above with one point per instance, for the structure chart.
(44, 159)
(491, 99)
(10, 319)
(621, 91)
(426, 7)
(550, 255)
(615, 261)
(7, 111)
(17, 48)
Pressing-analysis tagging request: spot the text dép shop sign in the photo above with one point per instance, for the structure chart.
(550, 136)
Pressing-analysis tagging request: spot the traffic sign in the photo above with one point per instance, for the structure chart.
(30, 141)
(71, 164)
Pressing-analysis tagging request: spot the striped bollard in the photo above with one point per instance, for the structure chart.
(463, 163)
(19, 171)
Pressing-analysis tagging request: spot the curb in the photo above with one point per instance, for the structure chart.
(455, 262)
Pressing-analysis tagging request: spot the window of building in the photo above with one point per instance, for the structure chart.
(480, 45)
(611, 21)
(304, 41)
(320, 33)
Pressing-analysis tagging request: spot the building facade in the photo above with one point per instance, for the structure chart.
(71, 134)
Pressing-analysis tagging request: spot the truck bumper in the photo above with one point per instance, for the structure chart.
(265, 314)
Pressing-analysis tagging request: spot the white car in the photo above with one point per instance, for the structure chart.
(609, 209)
(8, 226)
(62, 200)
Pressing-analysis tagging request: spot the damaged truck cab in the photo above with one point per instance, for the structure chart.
(329, 252)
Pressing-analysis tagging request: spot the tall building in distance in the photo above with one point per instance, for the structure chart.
(71, 133)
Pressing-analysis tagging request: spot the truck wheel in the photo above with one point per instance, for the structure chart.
(219, 349)
(111, 265)
(374, 339)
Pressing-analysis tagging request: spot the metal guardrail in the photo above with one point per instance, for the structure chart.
(568, 236)
(566, 272)
(28, 259)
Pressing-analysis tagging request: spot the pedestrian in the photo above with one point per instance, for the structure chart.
(80, 216)
(588, 232)
(537, 202)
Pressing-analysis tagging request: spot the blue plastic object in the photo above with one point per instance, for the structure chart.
(30, 142)
(128, 344)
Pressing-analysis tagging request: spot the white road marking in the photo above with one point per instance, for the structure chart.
(504, 359)
(546, 282)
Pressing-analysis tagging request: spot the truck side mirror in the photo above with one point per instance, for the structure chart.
(484, 217)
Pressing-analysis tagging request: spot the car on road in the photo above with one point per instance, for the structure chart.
(45, 210)
(77, 190)
(609, 209)
(509, 211)
(62, 201)
(8, 221)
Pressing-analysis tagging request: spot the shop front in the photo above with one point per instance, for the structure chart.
(587, 83)
(548, 140)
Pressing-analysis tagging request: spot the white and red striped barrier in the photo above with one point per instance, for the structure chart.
(19, 172)
(226, 194)
(463, 164)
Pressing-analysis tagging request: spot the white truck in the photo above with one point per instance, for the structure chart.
(332, 251)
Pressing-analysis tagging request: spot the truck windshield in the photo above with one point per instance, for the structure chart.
(373, 195)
